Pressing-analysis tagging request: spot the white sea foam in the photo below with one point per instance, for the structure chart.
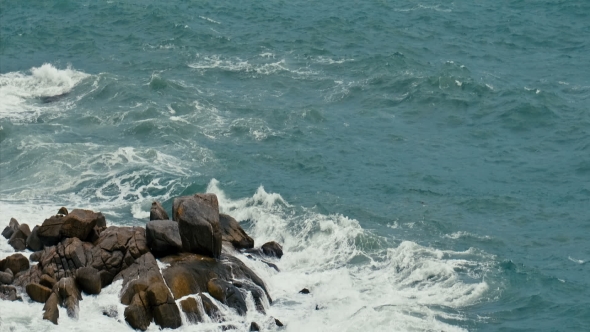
(240, 65)
(401, 287)
(18, 90)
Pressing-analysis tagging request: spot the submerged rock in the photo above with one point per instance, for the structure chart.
(8, 293)
(198, 223)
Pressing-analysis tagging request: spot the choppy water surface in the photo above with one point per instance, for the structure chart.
(426, 164)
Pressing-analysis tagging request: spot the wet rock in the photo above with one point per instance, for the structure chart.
(47, 281)
(198, 223)
(157, 212)
(226, 293)
(33, 242)
(51, 311)
(8, 293)
(38, 293)
(272, 249)
(63, 211)
(163, 237)
(137, 314)
(190, 307)
(49, 231)
(89, 280)
(79, 223)
(6, 277)
(164, 309)
(278, 323)
(304, 291)
(138, 277)
(254, 327)
(18, 240)
(110, 311)
(210, 308)
(232, 232)
(70, 295)
(36, 256)
(16, 263)
(10, 229)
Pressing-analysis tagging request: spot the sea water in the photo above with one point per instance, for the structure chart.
(425, 164)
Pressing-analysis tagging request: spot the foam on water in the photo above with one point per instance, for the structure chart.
(18, 89)
(407, 287)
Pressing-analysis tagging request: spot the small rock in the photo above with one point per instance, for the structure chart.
(8, 293)
(198, 223)
(33, 242)
(110, 311)
(89, 280)
(272, 249)
(63, 211)
(38, 293)
(16, 263)
(278, 322)
(51, 311)
(36, 256)
(10, 229)
(47, 281)
(254, 327)
(137, 314)
(18, 240)
(157, 212)
(304, 291)
(70, 295)
(6, 277)
(190, 307)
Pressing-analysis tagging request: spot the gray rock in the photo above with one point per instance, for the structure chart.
(157, 212)
(49, 231)
(18, 240)
(10, 229)
(232, 232)
(137, 314)
(163, 237)
(8, 293)
(6, 277)
(33, 241)
(272, 249)
(89, 280)
(226, 293)
(70, 296)
(198, 223)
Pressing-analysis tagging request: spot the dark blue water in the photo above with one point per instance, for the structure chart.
(456, 135)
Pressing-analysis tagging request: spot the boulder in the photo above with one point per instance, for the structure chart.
(36, 256)
(63, 211)
(49, 231)
(254, 326)
(198, 223)
(157, 212)
(163, 237)
(304, 291)
(164, 309)
(33, 241)
(279, 323)
(232, 232)
(6, 277)
(79, 223)
(47, 281)
(272, 249)
(191, 309)
(137, 314)
(18, 240)
(228, 294)
(138, 277)
(38, 293)
(88, 280)
(16, 263)
(70, 295)
(51, 311)
(10, 229)
(8, 293)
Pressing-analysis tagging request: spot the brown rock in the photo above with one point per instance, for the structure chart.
(6, 277)
(163, 237)
(51, 311)
(254, 326)
(89, 280)
(47, 281)
(33, 242)
(226, 293)
(18, 240)
(38, 292)
(16, 263)
(190, 307)
(79, 223)
(10, 229)
(272, 249)
(157, 212)
(232, 232)
(36, 256)
(63, 211)
(70, 295)
(198, 223)
(8, 293)
(137, 314)
(49, 231)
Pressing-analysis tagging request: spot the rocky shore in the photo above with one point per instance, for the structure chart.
(76, 253)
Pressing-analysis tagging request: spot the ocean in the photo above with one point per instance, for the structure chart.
(425, 164)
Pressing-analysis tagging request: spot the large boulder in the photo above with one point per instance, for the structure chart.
(6, 277)
(232, 232)
(198, 223)
(18, 240)
(137, 313)
(49, 231)
(228, 294)
(164, 309)
(157, 212)
(10, 229)
(38, 293)
(163, 237)
(70, 295)
(33, 241)
(16, 263)
(272, 249)
(51, 311)
(79, 223)
(88, 280)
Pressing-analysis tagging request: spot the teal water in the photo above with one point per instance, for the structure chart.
(436, 154)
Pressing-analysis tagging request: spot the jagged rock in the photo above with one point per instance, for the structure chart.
(232, 232)
(272, 249)
(164, 309)
(33, 242)
(10, 229)
(254, 327)
(38, 293)
(51, 311)
(47, 281)
(157, 212)
(89, 280)
(304, 291)
(36, 256)
(198, 223)
(26, 277)
(163, 237)
(278, 323)
(18, 240)
(79, 223)
(70, 295)
(49, 231)
(137, 313)
(226, 293)
(63, 211)
(16, 263)
(6, 277)
(8, 293)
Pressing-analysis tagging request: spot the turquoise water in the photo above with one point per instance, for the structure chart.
(436, 155)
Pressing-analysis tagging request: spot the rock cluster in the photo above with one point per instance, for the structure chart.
(78, 254)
